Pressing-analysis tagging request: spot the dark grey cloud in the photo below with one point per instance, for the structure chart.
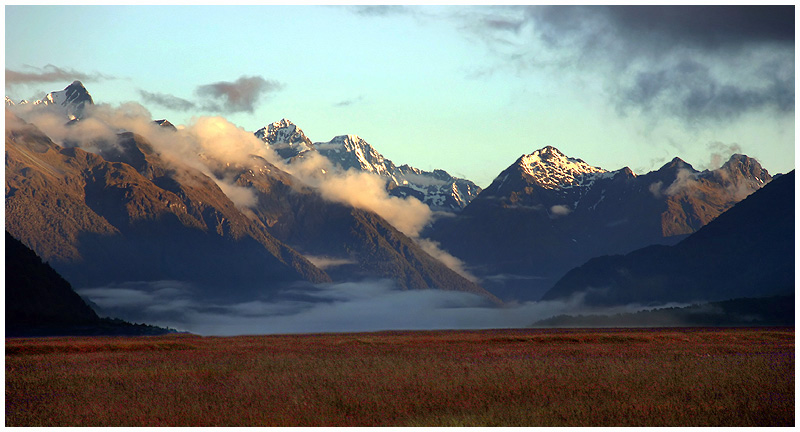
(167, 101)
(705, 27)
(695, 63)
(241, 95)
(50, 73)
(690, 90)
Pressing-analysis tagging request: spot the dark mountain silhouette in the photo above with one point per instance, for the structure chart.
(548, 213)
(36, 294)
(748, 251)
(39, 302)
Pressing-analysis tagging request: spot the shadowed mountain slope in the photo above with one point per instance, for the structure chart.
(747, 251)
(100, 221)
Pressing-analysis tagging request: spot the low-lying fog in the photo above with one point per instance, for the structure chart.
(305, 308)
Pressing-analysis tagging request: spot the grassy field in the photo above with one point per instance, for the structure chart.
(662, 377)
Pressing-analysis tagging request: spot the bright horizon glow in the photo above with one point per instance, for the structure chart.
(467, 89)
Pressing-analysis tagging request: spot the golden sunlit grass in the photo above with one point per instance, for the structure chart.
(667, 377)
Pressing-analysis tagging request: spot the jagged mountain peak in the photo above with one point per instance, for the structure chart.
(438, 189)
(285, 138)
(74, 93)
(282, 131)
(282, 122)
(352, 151)
(743, 168)
(676, 163)
(745, 164)
(76, 85)
(550, 168)
(73, 100)
(165, 123)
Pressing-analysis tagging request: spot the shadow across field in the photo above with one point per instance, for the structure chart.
(532, 377)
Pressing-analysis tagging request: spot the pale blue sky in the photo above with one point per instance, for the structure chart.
(465, 89)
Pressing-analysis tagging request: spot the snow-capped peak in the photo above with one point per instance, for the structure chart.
(285, 138)
(550, 168)
(73, 98)
(352, 151)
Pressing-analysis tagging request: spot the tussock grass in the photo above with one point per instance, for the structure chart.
(667, 377)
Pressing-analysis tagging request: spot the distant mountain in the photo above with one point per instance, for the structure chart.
(548, 213)
(72, 101)
(166, 123)
(748, 251)
(285, 138)
(744, 312)
(39, 302)
(437, 189)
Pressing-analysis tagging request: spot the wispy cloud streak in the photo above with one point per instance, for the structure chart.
(167, 101)
(50, 73)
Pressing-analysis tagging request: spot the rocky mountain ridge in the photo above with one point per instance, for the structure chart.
(437, 189)
(548, 213)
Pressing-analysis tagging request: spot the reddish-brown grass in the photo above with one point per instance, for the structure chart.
(666, 377)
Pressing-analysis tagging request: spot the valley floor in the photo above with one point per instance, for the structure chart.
(532, 377)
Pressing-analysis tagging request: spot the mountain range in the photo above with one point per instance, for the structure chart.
(133, 204)
(123, 213)
(437, 189)
(548, 213)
